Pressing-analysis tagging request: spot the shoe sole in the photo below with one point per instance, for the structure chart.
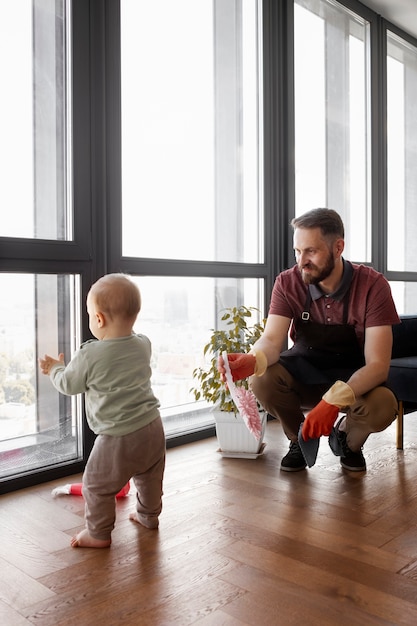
(293, 469)
(353, 469)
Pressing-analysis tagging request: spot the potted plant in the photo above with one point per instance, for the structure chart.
(237, 336)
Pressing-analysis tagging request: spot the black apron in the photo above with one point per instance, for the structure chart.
(323, 353)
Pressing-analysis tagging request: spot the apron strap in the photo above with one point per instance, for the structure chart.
(305, 315)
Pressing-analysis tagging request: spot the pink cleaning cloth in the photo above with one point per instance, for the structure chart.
(245, 403)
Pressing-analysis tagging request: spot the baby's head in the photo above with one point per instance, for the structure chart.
(117, 297)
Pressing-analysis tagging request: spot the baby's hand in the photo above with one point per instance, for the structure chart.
(47, 362)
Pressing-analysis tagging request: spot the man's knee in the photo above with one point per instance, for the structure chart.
(372, 413)
(382, 408)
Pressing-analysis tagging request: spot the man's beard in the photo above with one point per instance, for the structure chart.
(321, 273)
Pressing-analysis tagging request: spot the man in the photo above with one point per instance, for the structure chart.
(341, 316)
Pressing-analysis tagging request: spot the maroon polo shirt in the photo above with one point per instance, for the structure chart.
(370, 299)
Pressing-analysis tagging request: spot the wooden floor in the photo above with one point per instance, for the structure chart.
(239, 543)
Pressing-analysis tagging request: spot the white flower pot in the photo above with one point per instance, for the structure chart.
(234, 436)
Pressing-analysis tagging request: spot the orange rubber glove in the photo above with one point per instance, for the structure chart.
(244, 365)
(241, 365)
(320, 420)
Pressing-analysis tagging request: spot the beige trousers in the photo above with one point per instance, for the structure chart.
(115, 460)
(287, 399)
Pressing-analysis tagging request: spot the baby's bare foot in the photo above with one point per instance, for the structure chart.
(152, 525)
(84, 540)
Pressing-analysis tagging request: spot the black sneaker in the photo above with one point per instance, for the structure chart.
(294, 460)
(353, 461)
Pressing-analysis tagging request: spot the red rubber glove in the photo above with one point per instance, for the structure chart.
(320, 420)
(241, 365)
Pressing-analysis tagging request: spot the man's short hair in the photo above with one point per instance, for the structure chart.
(328, 220)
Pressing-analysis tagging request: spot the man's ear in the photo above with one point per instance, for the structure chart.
(340, 246)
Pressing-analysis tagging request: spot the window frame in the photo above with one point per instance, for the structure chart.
(96, 119)
(45, 256)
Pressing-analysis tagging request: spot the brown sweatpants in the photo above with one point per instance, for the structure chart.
(287, 399)
(115, 460)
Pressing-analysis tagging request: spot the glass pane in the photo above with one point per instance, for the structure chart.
(39, 428)
(332, 138)
(33, 120)
(405, 297)
(177, 315)
(401, 153)
(190, 130)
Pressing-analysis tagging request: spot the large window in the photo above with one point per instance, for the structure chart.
(40, 307)
(39, 428)
(34, 120)
(177, 315)
(402, 166)
(190, 187)
(190, 130)
(402, 153)
(332, 137)
(191, 178)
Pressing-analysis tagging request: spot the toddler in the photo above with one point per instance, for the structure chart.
(114, 374)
